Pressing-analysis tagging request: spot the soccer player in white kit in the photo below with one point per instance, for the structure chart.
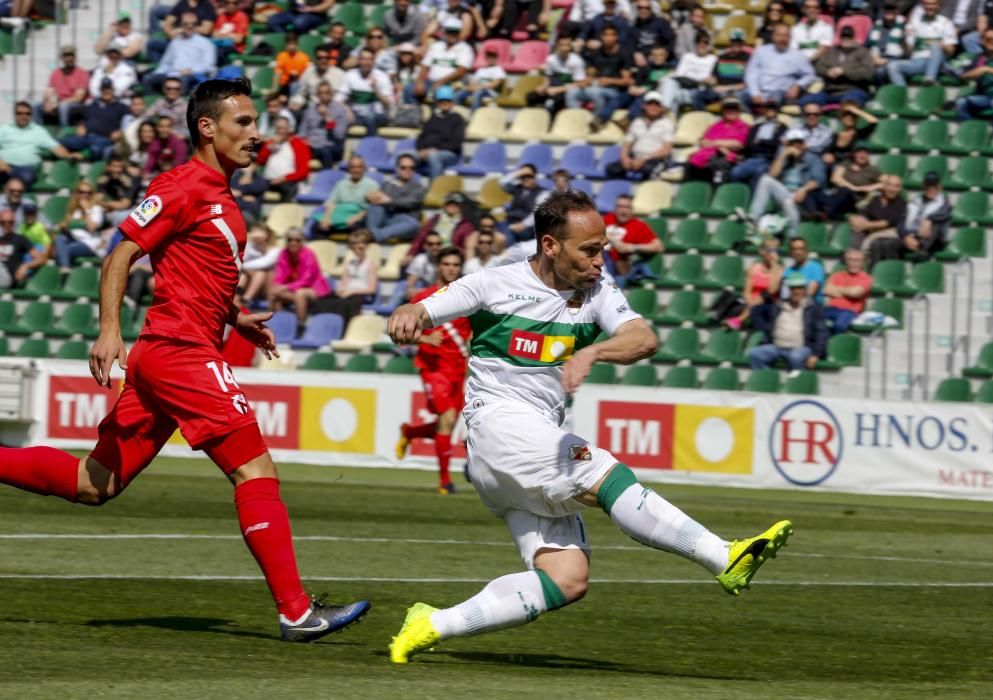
(534, 325)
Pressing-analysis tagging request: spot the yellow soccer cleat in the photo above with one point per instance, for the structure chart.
(746, 556)
(403, 443)
(417, 634)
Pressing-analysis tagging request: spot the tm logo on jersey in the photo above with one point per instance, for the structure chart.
(147, 210)
(544, 348)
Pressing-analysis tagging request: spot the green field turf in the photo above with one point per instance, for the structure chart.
(872, 599)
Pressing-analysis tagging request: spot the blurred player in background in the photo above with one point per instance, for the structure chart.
(175, 376)
(442, 356)
(535, 327)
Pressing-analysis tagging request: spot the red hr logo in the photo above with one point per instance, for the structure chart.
(805, 443)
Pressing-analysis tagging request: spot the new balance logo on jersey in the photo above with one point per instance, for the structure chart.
(544, 348)
(216, 210)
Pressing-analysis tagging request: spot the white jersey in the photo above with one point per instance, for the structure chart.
(523, 331)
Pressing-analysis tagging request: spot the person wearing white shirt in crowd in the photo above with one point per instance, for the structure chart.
(261, 255)
(320, 71)
(811, 35)
(486, 255)
(564, 70)
(483, 83)
(931, 39)
(648, 143)
(367, 93)
(423, 269)
(274, 109)
(123, 36)
(121, 74)
(694, 71)
(445, 62)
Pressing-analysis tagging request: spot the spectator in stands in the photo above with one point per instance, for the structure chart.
(36, 233)
(728, 79)
(22, 145)
(811, 270)
(811, 36)
(847, 292)
(384, 58)
(761, 145)
(979, 16)
(249, 187)
(486, 255)
(693, 75)
(203, 24)
(423, 269)
(608, 70)
(131, 120)
(339, 53)
(123, 36)
(274, 109)
(454, 11)
(367, 93)
(301, 17)
(167, 150)
(649, 31)
(80, 232)
(882, 217)
(484, 83)
(230, 30)
(964, 15)
(686, 35)
(101, 125)
(526, 194)
(887, 38)
(795, 173)
(794, 330)
(847, 71)
(817, 135)
(403, 24)
(854, 180)
(537, 12)
(610, 17)
(117, 191)
(646, 78)
(320, 71)
(358, 282)
(137, 157)
(347, 204)
(15, 249)
(776, 71)
(720, 146)
(931, 39)
(564, 70)
(14, 198)
(291, 62)
(439, 145)
(190, 56)
(66, 93)
(774, 14)
(632, 243)
(407, 69)
(121, 74)
(172, 105)
(395, 209)
(141, 281)
(444, 63)
(850, 133)
(285, 160)
(648, 143)
(581, 14)
(981, 70)
(928, 215)
(297, 278)
(325, 127)
(762, 282)
(261, 255)
(561, 181)
(453, 224)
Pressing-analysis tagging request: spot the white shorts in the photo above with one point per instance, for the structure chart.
(532, 533)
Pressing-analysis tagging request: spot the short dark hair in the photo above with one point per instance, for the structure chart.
(451, 250)
(206, 102)
(552, 215)
(114, 158)
(22, 103)
(408, 156)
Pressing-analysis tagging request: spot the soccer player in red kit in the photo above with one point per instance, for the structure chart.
(441, 360)
(174, 375)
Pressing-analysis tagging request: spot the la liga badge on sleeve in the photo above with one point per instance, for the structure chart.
(147, 210)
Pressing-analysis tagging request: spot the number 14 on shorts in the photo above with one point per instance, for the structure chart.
(226, 381)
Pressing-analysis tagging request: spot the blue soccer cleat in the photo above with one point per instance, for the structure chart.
(321, 620)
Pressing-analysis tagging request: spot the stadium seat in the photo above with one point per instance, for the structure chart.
(889, 133)
(285, 216)
(610, 154)
(890, 277)
(680, 378)
(490, 158)
(642, 301)
(442, 186)
(584, 186)
(96, 169)
(650, 197)
(726, 272)
(803, 383)
(893, 164)
(686, 269)
(277, 40)
(516, 95)
(491, 195)
(321, 329)
(744, 22)
(320, 186)
(401, 364)
(390, 267)
(35, 348)
(971, 137)
(8, 314)
(402, 146)
(985, 392)
(728, 197)
(352, 15)
(361, 363)
(723, 345)
(529, 56)
(529, 124)
(889, 101)
(841, 238)
(386, 306)
(54, 209)
(928, 277)
(320, 361)
(45, 280)
(640, 375)
(602, 373)
(327, 256)
(690, 128)
(569, 125)
(73, 350)
(76, 318)
(131, 322)
(971, 172)
(729, 236)
(763, 381)
(861, 24)
(722, 379)
(609, 191)
(972, 208)
(844, 350)
(579, 159)
(264, 80)
(502, 47)
(82, 283)
(540, 155)
(361, 333)
(931, 135)
(938, 164)
(691, 198)
(486, 123)
(610, 134)
(680, 344)
(965, 242)
(890, 306)
(953, 389)
(374, 150)
(284, 326)
(924, 102)
(685, 306)
(64, 174)
(690, 234)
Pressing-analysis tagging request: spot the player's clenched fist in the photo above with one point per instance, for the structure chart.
(102, 356)
(406, 323)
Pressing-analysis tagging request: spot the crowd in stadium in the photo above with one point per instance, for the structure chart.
(791, 93)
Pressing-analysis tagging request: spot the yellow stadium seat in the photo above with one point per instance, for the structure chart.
(744, 22)
(442, 185)
(390, 269)
(328, 256)
(362, 332)
(285, 216)
(491, 195)
(651, 196)
(691, 126)
(569, 125)
(530, 124)
(516, 95)
(486, 123)
(611, 132)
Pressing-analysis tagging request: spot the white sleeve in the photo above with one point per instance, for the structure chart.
(827, 35)
(951, 37)
(611, 308)
(463, 297)
(266, 261)
(466, 56)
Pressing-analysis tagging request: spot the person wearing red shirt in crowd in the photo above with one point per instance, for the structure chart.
(230, 30)
(175, 376)
(632, 242)
(847, 291)
(285, 160)
(441, 358)
(67, 91)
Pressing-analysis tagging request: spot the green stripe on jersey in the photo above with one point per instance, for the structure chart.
(493, 336)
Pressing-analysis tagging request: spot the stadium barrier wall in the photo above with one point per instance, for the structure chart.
(678, 436)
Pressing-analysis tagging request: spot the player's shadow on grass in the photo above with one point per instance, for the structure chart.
(182, 624)
(534, 660)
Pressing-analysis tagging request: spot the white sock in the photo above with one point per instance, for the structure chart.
(648, 518)
(508, 601)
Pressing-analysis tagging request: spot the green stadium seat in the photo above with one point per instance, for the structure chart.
(815, 233)
(972, 136)
(683, 270)
(642, 301)
(8, 314)
(401, 364)
(602, 373)
(727, 198)
(277, 40)
(44, 281)
(843, 350)
(803, 383)
(36, 348)
(262, 81)
(971, 172)
(889, 100)
(131, 323)
(73, 350)
(893, 164)
(375, 18)
(924, 102)
(4, 347)
(77, 318)
(763, 381)
(82, 282)
(680, 378)
(723, 345)
(361, 363)
(722, 379)
(685, 306)
(95, 170)
(352, 15)
(953, 389)
(310, 42)
(659, 226)
(54, 209)
(983, 368)
(841, 239)
(729, 236)
(972, 208)
(890, 133)
(890, 277)
(691, 198)
(938, 164)
(753, 341)
(321, 362)
(985, 393)
(891, 306)
(63, 175)
(930, 136)
(725, 271)
(680, 344)
(640, 375)
(928, 277)
(689, 234)
(37, 317)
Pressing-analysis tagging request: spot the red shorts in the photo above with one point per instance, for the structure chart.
(444, 391)
(169, 385)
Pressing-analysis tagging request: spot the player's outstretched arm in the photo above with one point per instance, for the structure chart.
(113, 281)
(407, 322)
(633, 341)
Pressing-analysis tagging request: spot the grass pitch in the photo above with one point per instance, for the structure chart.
(875, 598)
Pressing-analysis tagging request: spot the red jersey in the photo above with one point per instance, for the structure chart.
(635, 231)
(193, 229)
(453, 353)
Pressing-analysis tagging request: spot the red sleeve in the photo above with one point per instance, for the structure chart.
(301, 154)
(424, 294)
(263, 154)
(158, 217)
(638, 232)
(418, 242)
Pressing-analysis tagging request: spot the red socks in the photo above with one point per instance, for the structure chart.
(424, 430)
(443, 448)
(266, 529)
(43, 470)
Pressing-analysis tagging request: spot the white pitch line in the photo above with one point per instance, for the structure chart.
(476, 543)
(388, 579)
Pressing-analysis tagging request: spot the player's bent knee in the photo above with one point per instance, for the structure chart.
(242, 454)
(96, 484)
